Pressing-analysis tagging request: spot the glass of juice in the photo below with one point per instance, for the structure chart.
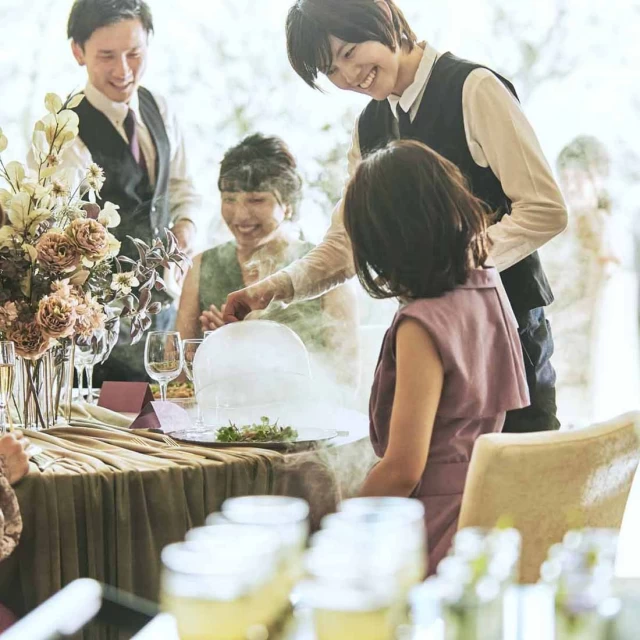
(342, 612)
(289, 517)
(225, 535)
(220, 592)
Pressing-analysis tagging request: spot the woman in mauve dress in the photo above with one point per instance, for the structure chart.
(451, 364)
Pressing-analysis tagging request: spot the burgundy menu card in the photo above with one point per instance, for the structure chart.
(125, 397)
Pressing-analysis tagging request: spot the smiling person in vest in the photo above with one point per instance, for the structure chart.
(464, 111)
(131, 134)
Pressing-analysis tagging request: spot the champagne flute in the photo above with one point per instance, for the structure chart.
(94, 355)
(79, 365)
(7, 371)
(163, 358)
(189, 348)
(88, 351)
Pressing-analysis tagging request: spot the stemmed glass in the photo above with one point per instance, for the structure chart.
(163, 358)
(189, 348)
(87, 355)
(7, 372)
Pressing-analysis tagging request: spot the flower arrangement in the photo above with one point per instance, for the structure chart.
(60, 274)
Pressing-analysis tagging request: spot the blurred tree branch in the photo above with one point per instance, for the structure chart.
(538, 55)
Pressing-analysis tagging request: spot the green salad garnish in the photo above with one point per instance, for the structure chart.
(263, 431)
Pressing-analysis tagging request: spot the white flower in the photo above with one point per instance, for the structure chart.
(60, 188)
(95, 176)
(109, 215)
(123, 282)
(114, 246)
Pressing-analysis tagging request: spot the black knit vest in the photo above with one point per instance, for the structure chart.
(144, 210)
(439, 123)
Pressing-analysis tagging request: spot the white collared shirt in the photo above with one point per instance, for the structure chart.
(184, 201)
(499, 137)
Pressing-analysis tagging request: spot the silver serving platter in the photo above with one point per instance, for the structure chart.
(308, 438)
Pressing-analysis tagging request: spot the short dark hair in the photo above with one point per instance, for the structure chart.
(416, 229)
(311, 22)
(88, 15)
(262, 163)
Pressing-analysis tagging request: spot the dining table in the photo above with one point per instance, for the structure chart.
(104, 499)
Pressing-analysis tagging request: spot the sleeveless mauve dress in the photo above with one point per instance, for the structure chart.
(475, 332)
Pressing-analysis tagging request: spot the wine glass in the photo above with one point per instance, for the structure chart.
(95, 355)
(189, 348)
(7, 371)
(79, 365)
(88, 352)
(163, 358)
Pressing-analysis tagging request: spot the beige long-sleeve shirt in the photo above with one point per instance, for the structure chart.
(500, 137)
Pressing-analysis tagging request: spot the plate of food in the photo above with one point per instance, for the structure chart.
(265, 434)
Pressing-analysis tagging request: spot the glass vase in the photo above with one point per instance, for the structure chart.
(42, 394)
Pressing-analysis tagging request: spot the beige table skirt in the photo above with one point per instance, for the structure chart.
(116, 497)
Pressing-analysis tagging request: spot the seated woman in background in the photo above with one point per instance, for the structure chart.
(260, 189)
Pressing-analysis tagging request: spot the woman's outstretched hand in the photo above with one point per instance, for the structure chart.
(258, 296)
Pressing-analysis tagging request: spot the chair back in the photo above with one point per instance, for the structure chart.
(549, 482)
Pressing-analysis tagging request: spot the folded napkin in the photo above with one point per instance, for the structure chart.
(83, 413)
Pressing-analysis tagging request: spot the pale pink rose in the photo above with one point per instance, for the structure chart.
(91, 237)
(57, 252)
(29, 340)
(62, 288)
(89, 317)
(57, 316)
(8, 315)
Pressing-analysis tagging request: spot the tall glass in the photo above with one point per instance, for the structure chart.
(7, 372)
(380, 517)
(87, 355)
(288, 516)
(351, 595)
(79, 365)
(221, 591)
(163, 358)
(189, 348)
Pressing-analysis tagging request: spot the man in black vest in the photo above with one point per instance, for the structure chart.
(465, 112)
(130, 134)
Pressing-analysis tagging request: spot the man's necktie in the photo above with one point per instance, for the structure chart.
(131, 130)
(404, 122)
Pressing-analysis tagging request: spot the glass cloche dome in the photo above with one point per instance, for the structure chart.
(248, 369)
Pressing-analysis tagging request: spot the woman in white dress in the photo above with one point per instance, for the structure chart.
(591, 270)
